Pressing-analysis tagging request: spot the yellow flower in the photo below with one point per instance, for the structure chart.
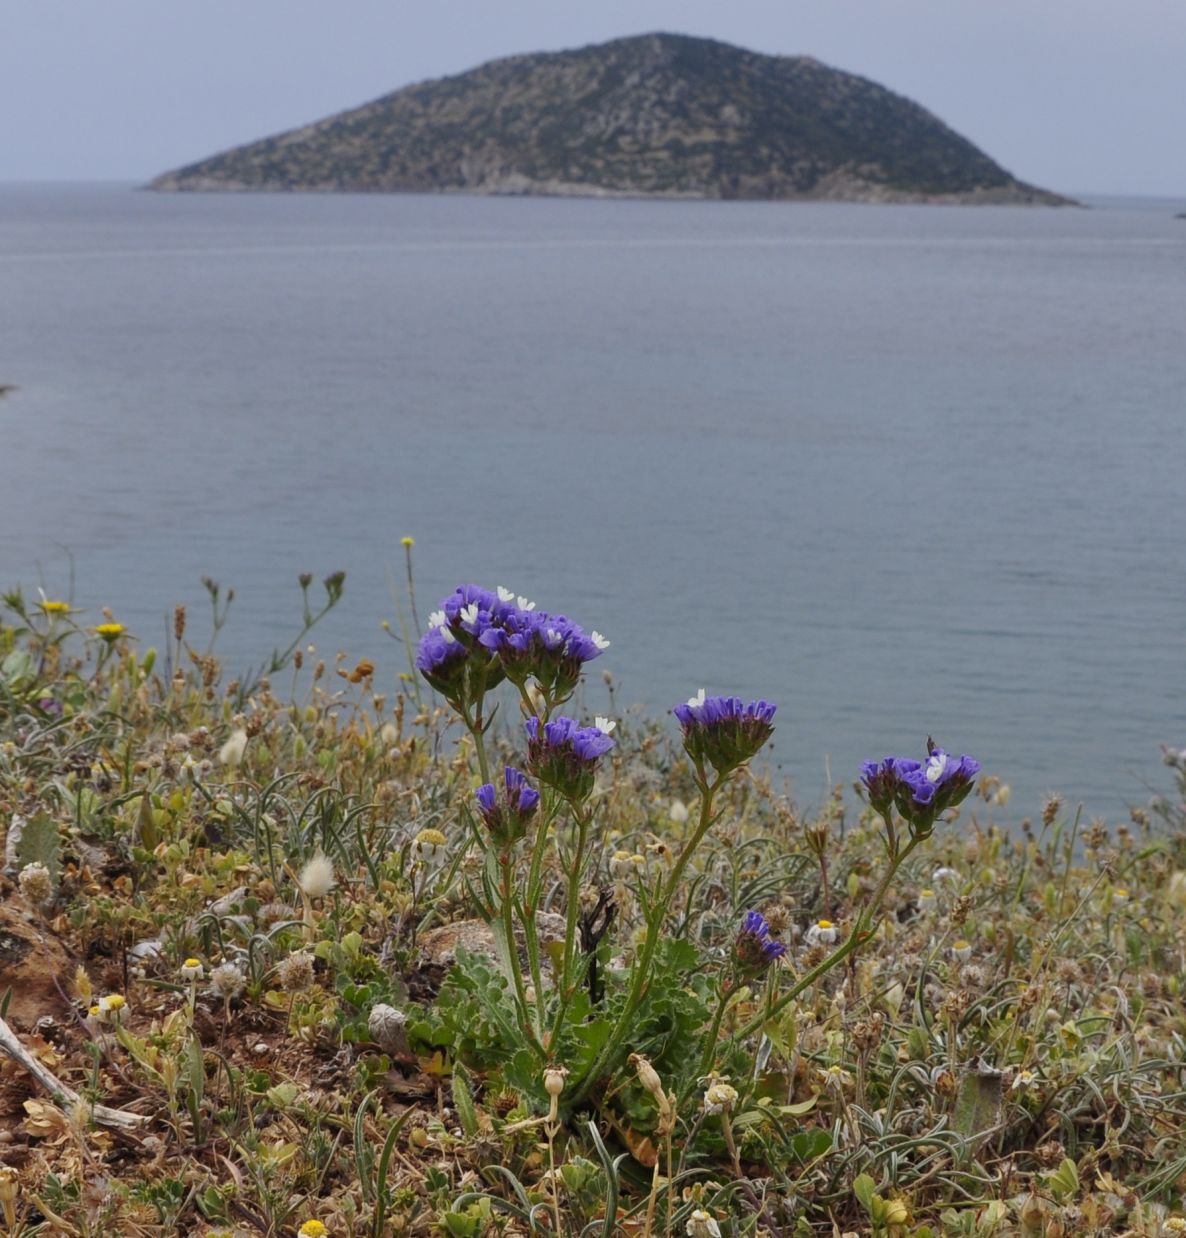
(407, 541)
(110, 631)
(54, 608)
(312, 1229)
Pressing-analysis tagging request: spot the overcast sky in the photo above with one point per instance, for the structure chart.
(1074, 95)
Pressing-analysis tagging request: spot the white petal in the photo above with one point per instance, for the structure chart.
(604, 725)
(599, 640)
(505, 595)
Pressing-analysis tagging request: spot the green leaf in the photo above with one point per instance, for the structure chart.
(809, 1145)
(862, 1188)
(146, 831)
(40, 843)
(463, 1101)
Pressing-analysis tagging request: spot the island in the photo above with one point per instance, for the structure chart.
(655, 115)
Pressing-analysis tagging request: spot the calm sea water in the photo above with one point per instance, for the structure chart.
(904, 470)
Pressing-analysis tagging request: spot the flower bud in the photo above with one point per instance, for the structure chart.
(506, 816)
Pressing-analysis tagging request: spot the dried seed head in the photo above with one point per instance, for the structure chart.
(317, 876)
(295, 973)
(227, 980)
(648, 1076)
(554, 1077)
(387, 1027)
(36, 883)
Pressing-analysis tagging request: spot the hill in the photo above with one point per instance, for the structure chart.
(653, 115)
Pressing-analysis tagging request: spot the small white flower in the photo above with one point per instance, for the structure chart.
(1120, 896)
(936, 765)
(697, 701)
(836, 1079)
(1023, 1079)
(469, 614)
(822, 932)
(599, 641)
(961, 950)
(505, 595)
(719, 1097)
(524, 604)
(701, 1225)
(317, 877)
(678, 812)
(430, 846)
(438, 619)
(927, 900)
(604, 725)
(231, 753)
(552, 638)
(624, 863)
(941, 875)
(191, 971)
(113, 1009)
(447, 636)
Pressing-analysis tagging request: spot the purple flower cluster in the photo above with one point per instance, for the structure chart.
(507, 816)
(477, 638)
(754, 948)
(564, 755)
(724, 731)
(920, 790)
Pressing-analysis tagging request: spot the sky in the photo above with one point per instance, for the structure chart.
(1080, 96)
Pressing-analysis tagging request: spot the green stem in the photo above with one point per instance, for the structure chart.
(573, 908)
(860, 934)
(531, 905)
(511, 951)
(640, 972)
(727, 994)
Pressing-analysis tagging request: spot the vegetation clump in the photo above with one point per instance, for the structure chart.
(292, 955)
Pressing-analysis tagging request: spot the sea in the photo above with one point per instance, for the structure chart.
(907, 471)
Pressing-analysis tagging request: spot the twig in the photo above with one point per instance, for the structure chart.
(61, 1093)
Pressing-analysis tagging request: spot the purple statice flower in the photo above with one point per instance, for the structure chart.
(50, 707)
(551, 649)
(723, 730)
(564, 755)
(506, 816)
(442, 660)
(754, 949)
(452, 656)
(921, 791)
(501, 635)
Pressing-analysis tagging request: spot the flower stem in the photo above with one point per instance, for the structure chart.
(859, 935)
(641, 971)
(727, 993)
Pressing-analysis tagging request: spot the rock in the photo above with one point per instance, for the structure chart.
(653, 115)
(439, 946)
(30, 961)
